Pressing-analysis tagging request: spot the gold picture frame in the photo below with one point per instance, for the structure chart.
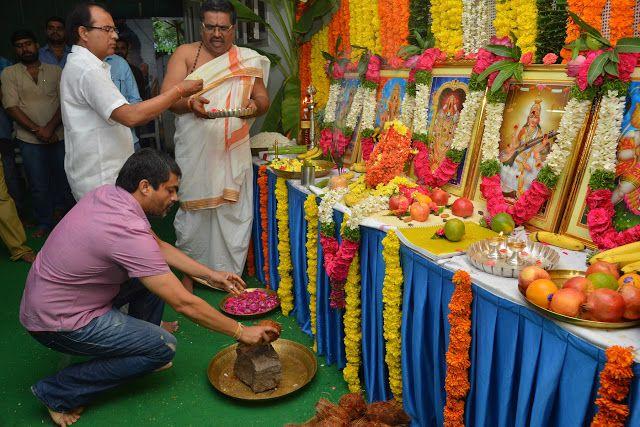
(544, 89)
(574, 223)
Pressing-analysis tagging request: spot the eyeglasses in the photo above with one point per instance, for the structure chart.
(106, 28)
(212, 28)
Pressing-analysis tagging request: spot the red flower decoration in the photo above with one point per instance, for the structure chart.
(367, 148)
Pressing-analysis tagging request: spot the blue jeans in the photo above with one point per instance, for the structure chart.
(44, 166)
(124, 347)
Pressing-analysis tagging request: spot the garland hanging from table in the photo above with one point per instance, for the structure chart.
(311, 245)
(456, 383)
(285, 287)
(589, 11)
(263, 186)
(446, 25)
(364, 25)
(352, 328)
(615, 381)
(320, 80)
(392, 312)
(394, 26)
(552, 28)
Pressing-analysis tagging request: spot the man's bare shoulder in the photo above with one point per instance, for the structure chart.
(186, 50)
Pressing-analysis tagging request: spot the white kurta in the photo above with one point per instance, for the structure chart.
(96, 147)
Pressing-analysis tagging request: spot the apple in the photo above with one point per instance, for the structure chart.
(440, 197)
(419, 212)
(530, 274)
(399, 204)
(578, 282)
(462, 207)
(603, 267)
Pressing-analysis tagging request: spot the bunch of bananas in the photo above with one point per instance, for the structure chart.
(557, 240)
(627, 257)
(314, 153)
(359, 167)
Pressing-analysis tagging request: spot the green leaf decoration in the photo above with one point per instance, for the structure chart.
(411, 89)
(548, 177)
(611, 68)
(328, 230)
(490, 168)
(502, 77)
(317, 10)
(419, 23)
(552, 27)
(502, 50)
(596, 68)
(328, 56)
(497, 97)
(407, 51)
(244, 13)
(588, 94)
(423, 77)
(496, 66)
(475, 84)
(616, 86)
(455, 155)
(585, 27)
(367, 133)
(628, 45)
(291, 105)
(602, 180)
(422, 137)
(273, 118)
(517, 72)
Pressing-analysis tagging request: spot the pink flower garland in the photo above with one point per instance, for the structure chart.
(443, 173)
(599, 220)
(337, 260)
(333, 142)
(525, 208)
(367, 147)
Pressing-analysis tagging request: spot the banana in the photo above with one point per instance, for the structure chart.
(629, 248)
(630, 268)
(556, 240)
(348, 175)
(315, 153)
(622, 259)
(308, 154)
(358, 167)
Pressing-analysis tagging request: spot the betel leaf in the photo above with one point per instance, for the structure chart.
(496, 66)
(272, 119)
(611, 68)
(291, 105)
(586, 27)
(501, 50)
(628, 45)
(517, 72)
(502, 77)
(597, 67)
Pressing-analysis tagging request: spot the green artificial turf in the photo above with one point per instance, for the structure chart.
(181, 396)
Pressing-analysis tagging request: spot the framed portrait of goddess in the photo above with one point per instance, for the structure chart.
(530, 121)
(626, 195)
(350, 86)
(391, 91)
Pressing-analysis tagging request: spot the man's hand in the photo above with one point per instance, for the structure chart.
(226, 281)
(196, 105)
(253, 335)
(189, 87)
(253, 108)
(44, 133)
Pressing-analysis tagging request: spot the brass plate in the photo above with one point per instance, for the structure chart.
(235, 112)
(561, 276)
(323, 168)
(249, 316)
(299, 366)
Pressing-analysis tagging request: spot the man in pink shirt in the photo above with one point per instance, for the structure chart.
(75, 286)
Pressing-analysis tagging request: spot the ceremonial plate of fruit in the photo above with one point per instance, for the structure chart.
(299, 366)
(504, 258)
(254, 302)
(292, 168)
(594, 298)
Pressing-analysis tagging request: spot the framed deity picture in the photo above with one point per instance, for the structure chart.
(391, 92)
(345, 99)
(530, 121)
(626, 195)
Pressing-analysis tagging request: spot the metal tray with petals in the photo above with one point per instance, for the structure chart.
(536, 254)
(235, 112)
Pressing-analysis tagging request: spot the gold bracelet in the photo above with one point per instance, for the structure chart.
(238, 333)
(180, 92)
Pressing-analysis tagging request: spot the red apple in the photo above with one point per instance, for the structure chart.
(462, 207)
(579, 283)
(419, 212)
(603, 267)
(440, 197)
(530, 274)
(399, 204)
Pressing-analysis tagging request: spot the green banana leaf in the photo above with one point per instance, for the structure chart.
(246, 14)
(290, 112)
(319, 10)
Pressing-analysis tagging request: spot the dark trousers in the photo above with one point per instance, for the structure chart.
(12, 177)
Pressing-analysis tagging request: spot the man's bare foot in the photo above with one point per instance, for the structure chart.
(164, 368)
(63, 419)
(187, 282)
(28, 257)
(170, 327)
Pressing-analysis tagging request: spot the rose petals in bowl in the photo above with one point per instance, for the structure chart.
(251, 302)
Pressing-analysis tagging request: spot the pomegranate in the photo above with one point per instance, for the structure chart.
(578, 282)
(529, 274)
(567, 301)
(419, 212)
(603, 267)
(462, 207)
(440, 197)
(604, 305)
(631, 295)
(399, 204)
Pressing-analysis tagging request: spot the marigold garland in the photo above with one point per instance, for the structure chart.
(392, 313)
(364, 25)
(320, 80)
(352, 328)
(446, 25)
(263, 180)
(251, 260)
(621, 20)
(590, 11)
(457, 379)
(285, 287)
(339, 28)
(394, 25)
(389, 155)
(311, 215)
(505, 20)
(304, 69)
(526, 31)
(615, 380)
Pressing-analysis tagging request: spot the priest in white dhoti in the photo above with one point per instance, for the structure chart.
(213, 224)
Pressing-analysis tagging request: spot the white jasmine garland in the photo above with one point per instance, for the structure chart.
(491, 135)
(421, 111)
(571, 122)
(407, 109)
(365, 208)
(368, 117)
(475, 17)
(462, 135)
(330, 198)
(332, 103)
(607, 133)
(355, 109)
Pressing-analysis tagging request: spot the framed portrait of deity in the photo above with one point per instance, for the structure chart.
(530, 122)
(391, 92)
(350, 86)
(626, 195)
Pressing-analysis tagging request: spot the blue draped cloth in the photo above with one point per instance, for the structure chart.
(256, 230)
(274, 259)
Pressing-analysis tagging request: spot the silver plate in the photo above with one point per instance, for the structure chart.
(236, 112)
(538, 254)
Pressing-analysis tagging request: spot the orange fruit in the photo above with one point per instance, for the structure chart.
(630, 278)
(541, 291)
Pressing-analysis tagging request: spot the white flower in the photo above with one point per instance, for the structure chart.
(462, 135)
(575, 113)
(607, 133)
(491, 135)
(475, 19)
(421, 111)
(332, 103)
(330, 198)
(365, 208)
(368, 109)
(407, 109)
(355, 109)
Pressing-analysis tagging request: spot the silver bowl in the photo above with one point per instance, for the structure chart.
(536, 254)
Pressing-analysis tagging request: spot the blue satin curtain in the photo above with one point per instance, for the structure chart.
(256, 231)
(374, 368)
(298, 238)
(273, 232)
(525, 370)
(329, 324)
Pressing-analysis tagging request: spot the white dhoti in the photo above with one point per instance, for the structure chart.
(213, 225)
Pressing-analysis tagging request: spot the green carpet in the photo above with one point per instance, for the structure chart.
(181, 396)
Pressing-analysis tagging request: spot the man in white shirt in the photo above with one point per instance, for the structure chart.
(95, 115)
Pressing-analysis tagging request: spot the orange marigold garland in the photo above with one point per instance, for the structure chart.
(389, 155)
(339, 27)
(304, 69)
(615, 380)
(621, 20)
(394, 26)
(589, 11)
(458, 363)
(251, 260)
(263, 180)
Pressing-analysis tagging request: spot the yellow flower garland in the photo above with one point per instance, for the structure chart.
(521, 18)
(505, 20)
(311, 215)
(320, 43)
(392, 314)
(285, 287)
(447, 25)
(352, 329)
(364, 26)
